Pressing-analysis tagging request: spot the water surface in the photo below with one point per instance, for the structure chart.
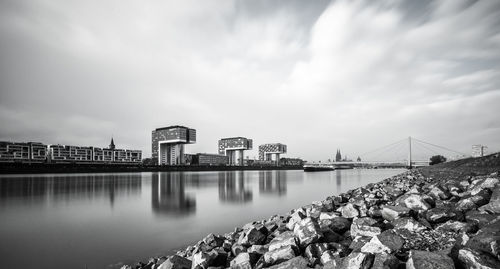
(97, 220)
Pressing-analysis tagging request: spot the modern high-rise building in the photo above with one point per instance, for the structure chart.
(167, 144)
(267, 151)
(478, 150)
(229, 147)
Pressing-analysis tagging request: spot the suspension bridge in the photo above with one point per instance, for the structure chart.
(408, 152)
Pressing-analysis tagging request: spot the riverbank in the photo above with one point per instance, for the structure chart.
(58, 168)
(444, 216)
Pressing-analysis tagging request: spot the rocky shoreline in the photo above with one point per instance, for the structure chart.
(447, 216)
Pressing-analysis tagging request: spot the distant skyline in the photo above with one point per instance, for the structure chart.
(315, 75)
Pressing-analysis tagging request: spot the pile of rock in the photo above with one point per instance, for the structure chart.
(408, 220)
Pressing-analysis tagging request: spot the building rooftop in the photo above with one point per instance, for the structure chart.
(237, 137)
(172, 127)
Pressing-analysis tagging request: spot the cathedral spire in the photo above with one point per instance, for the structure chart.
(112, 145)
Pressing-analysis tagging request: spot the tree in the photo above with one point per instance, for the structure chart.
(437, 159)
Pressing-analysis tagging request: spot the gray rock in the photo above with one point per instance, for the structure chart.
(494, 204)
(428, 260)
(252, 236)
(439, 215)
(391, 213)
(258, 249)
(456, 226)
(487, 239)
(237, 249)
(408, 224)
(481, 184)
(327, 215)
(474, 259)
(357, 260)
(279, 255)
(340, 225)
(313, 252)
(307, 231)
(283, 240)
(480, 218)
(296, 216)
(358, 242)
(176, 262)
(388, 242)
(439, 193)
(202, 260)
(295, 263)
(349, 211)
(385, 261)
(363, 227)
(242, 261)
(330, 257)
(417, 202)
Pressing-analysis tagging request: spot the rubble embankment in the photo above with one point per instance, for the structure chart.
(446, 216)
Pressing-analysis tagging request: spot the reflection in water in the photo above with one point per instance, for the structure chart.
(272, 182)
(168, 194)
(232, 187)
(34, 189)
(338, 178)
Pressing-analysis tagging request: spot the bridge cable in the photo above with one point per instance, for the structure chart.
(441, 147)
(369, 152)
(387, 148)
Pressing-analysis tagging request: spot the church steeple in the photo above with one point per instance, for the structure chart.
(112, 145)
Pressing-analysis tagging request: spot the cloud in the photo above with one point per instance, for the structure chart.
(319, 76)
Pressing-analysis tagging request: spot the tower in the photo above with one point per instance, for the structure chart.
(167, 144)
(112, 144)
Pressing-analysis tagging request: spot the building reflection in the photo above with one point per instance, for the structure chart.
(66, 188)
(168, 195)
(232, 187)
(338, 180)
(272, 182)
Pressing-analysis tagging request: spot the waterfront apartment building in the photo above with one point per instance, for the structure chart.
(267, 151)
(232, 145)
(22, 152)
(210, 159)
(38, 152)
(167, 144)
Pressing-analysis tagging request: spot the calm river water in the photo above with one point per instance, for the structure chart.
(99, 220)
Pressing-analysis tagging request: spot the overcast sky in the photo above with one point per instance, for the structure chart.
(315, 75)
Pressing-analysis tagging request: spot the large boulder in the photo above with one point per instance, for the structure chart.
(295, 263)
(202, 260)
(313, 252)
(349, 211)
(391, 213)
(283, 240)
(417, 202)
(408, 224)
(439, 215)
(487, 239)
(479, 185)
(242, 261)
(340, 225)
(176, 262)
(480, 218)
(439, 193)
(428, 260)
(470, 258)
(357, 260)
(253, 236)
(386, 242)
(307, 231)
(494, 205)
(279, 255)
(364, 227)
(456, 226)
(385, 261)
